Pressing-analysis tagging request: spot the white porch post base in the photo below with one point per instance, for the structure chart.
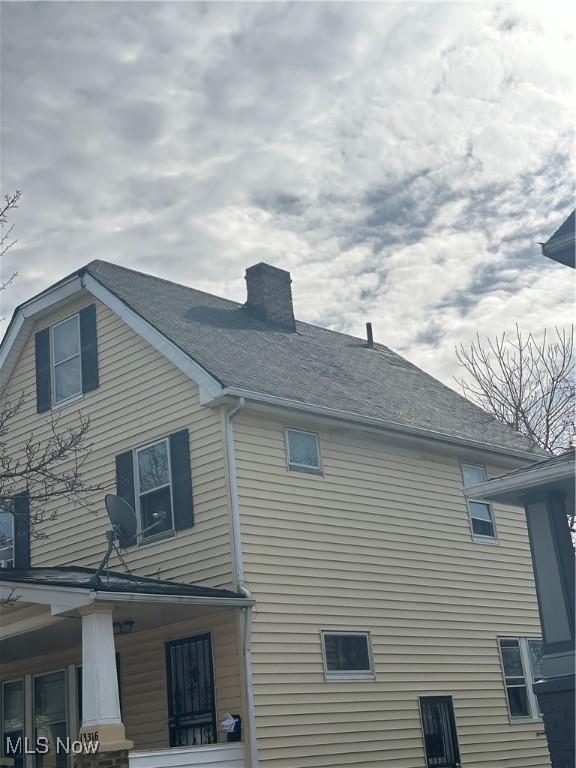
(101, 719)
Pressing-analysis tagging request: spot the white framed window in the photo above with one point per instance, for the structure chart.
(66, 360)
(521, 667)
(479, 512)
(347, 655)
(6, 535)
(50, 714)
(154, 503)
(302, 450)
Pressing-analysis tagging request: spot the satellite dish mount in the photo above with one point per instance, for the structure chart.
(123, 532)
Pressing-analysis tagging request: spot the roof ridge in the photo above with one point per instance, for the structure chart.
(238, 304)
(157, 277)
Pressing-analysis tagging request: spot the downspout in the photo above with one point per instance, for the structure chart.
(240, 582)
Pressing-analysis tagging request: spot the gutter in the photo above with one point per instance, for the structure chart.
(347, 416)
(138, 597)
(240, 580)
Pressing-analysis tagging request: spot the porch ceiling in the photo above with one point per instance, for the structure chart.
(27, 631)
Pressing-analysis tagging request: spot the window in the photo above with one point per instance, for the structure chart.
(303, 450)
(66, 363)
(66, 360)
(154, 486)
(50, 717)
(6, 535)
(521, 659)
(480, 512)
(347, 655)
(156, 481)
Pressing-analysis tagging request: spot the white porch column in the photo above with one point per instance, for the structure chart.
(101, 719)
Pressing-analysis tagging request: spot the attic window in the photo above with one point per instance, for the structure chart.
(66, 364)
(303, 450)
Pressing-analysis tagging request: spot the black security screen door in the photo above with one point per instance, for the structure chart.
(190, 678)
(439, 729)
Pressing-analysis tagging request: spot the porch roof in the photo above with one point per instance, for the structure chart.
(69, 587)
(79, 577)
(554, 474)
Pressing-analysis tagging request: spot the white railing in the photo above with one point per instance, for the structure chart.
(210, 756)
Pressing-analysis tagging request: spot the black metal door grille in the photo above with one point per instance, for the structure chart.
(190, 678)
(439, 727)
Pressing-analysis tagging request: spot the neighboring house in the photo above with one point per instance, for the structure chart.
(546, 491)
(561, 246)
(318, 572)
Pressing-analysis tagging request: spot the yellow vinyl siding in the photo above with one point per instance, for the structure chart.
(141, 397)
(143, 678)
(380, 542)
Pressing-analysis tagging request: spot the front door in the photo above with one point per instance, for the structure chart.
(439, 728)
(190, 678)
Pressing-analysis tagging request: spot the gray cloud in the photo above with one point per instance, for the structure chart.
(403, 160)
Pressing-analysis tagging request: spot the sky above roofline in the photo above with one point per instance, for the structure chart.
(403, 161)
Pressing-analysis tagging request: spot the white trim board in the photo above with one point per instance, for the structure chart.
(210, 388)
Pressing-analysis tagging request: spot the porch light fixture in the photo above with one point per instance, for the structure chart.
(123, 627)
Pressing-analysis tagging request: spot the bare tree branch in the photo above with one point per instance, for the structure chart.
(47, 466)
(10, 202)
(525, 383)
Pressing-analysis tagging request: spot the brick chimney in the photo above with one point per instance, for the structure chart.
(270, 295)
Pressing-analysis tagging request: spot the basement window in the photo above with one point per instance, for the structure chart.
(347, 656)
(479, 512)
(303, 450)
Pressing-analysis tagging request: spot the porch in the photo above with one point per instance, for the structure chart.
(146, 671)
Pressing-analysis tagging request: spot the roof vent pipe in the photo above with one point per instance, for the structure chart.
(369, 335)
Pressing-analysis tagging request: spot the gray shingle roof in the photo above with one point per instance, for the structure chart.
(565, 459)
(313, 365)
(566, 228)
(561, 245)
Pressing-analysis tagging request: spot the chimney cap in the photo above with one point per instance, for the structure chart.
(262, 266)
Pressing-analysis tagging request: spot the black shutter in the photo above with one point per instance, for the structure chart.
(181, 480)
(22, 530)
(125, 485)
(43, 398)
(89, 347)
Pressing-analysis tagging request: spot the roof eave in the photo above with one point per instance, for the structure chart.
(229, 393)
(65, 599)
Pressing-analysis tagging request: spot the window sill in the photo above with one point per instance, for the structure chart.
(485, 540)
(158, 537)
(349, 678)
(306, 470)
(524, 720)
(68, 401)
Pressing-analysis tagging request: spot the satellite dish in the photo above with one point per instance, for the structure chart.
(123, 519)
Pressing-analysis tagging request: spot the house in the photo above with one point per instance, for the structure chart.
(546, 491)
(315, 571)
(561, 246)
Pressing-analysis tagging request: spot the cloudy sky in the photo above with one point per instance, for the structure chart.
(401, 159)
